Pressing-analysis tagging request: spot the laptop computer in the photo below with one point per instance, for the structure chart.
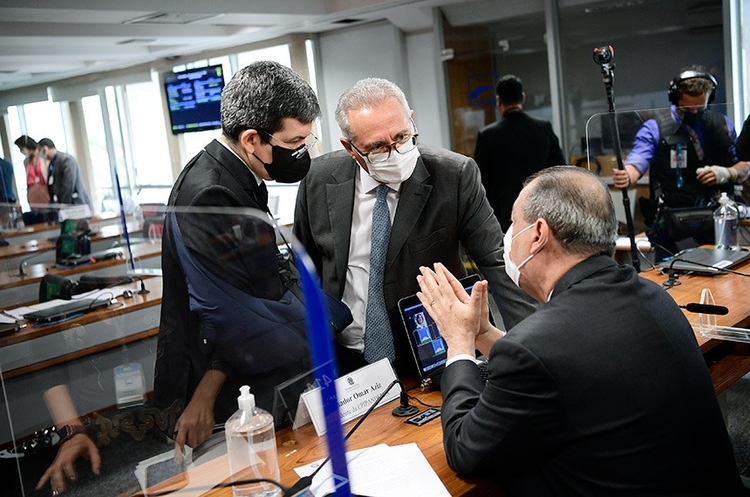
(704, 260)
(427, 346)
(68, 309)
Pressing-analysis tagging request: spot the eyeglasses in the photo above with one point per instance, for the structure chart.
(300, 146)
(383, 153)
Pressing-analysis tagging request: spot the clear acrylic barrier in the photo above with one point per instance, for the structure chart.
(603, 130)
(707, 325)
(101, 362)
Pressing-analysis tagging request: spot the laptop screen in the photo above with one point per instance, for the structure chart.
(428, 348)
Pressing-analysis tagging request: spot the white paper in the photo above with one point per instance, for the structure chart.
(18, 312)
(381, 470)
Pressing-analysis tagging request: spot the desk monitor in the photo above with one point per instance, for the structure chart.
(428, 348)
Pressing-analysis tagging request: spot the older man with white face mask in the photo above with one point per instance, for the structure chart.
(370, 215)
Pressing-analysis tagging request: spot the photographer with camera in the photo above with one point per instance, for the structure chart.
(690, 152)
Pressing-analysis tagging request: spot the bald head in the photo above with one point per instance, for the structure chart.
(576, 205)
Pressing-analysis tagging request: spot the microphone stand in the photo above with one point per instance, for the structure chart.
(21, 272)
(603, 56)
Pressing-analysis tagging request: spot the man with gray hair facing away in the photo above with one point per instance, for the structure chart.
(603, 391)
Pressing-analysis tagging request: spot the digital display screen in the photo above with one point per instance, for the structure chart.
(194, 98)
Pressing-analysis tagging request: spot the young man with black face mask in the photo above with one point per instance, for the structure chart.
(689, 149)
(267, 111)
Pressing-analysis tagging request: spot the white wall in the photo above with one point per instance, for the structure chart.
(382, 50)
(426, 79)
(348, 55)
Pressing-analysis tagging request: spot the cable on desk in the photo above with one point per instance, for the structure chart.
(211, 487)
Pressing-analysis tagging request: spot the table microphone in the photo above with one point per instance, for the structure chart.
(23, 262)
(143, 288)
(706, 309)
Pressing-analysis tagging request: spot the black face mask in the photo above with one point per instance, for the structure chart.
(692, 119)
(284, 167)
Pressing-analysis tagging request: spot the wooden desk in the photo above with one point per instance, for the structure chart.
(44, 251)
(301, 447)
(46, 230)
(16, 290)
(86, 350)
(728, 361)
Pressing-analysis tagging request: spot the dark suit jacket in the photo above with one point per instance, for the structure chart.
(441, 208)
(508, 152)
(743, 141)
(66, 181)
(214, 178)
(603, 391)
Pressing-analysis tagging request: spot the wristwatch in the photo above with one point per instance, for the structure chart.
(69, 431)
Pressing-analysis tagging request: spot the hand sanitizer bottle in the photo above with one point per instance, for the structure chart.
(726, 224)
(251, 447)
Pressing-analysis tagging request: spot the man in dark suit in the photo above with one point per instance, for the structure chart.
(435, 205)
(65, 179)
(513, 148)
(603, 391)
(267, 112)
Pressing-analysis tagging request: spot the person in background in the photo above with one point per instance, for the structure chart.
(743, 141)
(8, 193)
(603, 391)
(267, 113)
(8, 197)
(370, 215)
(743, 153)
(689, 152)
(513, 148)
(36, 172)
(64, 179)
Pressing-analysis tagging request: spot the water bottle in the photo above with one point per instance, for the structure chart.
(251, 446)
(726, 224)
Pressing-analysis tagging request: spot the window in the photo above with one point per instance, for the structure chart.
(97, 142)
(37, 120)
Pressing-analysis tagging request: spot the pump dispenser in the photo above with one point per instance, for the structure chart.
(726, 224)
(251, 447)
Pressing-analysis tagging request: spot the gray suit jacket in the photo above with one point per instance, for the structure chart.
(442, 207)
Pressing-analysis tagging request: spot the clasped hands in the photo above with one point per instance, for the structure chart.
(463, 319)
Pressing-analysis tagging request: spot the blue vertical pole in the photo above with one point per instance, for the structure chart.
(123, 220)
(321, 346)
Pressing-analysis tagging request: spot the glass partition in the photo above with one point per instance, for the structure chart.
(81, 346)
(687, 219)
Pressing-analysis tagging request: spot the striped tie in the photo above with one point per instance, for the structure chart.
(378, 336)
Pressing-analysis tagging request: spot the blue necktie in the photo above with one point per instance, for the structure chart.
(378, 336)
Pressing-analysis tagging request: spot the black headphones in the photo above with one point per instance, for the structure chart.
(674, 93)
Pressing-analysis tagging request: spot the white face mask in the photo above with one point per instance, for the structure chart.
(397, 169)
(513, 271)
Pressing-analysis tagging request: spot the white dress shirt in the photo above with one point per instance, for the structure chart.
(358, 267)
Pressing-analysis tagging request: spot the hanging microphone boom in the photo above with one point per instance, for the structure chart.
(603, 55)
